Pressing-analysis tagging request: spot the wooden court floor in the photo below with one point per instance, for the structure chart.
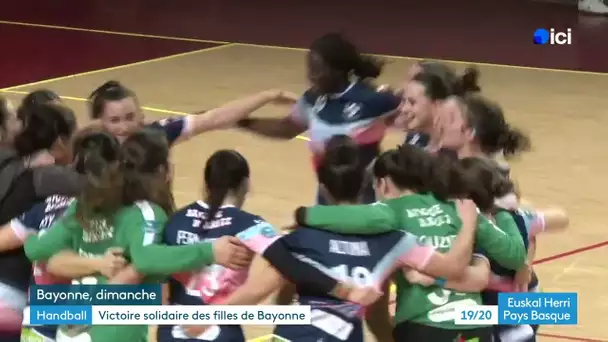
(565, 112)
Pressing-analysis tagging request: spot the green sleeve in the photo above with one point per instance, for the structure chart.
(57, 238)
(143, 225)
(349, 219)
(501, 241)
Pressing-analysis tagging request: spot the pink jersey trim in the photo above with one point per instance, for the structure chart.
(259, 243)
(538, 225)
(20, 230)
(417, 257)
(370, 134)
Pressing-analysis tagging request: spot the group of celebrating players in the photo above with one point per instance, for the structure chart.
(437, 216)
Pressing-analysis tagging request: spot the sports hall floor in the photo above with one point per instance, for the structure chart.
(179, 57)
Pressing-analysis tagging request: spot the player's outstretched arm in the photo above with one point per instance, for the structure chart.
(552, 220)
(285, 128)
(232, 112)
(349, 219)
(141, 236)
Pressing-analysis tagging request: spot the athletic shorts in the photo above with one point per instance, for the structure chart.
(325, 326)
(409, 331)
(515, 333)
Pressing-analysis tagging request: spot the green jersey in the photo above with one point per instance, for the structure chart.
(435, 223)
(137, 230)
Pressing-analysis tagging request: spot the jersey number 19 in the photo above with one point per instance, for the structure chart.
(358, 275)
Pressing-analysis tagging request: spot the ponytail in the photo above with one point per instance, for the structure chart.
(225, 172)
(216, 194)
(492, 133)
(514, 141)
(35, 99)
(368, 67)
(468, 82)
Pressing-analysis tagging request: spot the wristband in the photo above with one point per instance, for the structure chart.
(440, 282)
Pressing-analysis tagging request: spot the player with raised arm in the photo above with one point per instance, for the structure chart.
(340, 101)
(117, 109)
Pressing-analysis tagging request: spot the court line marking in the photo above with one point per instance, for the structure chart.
(118, 67)
(115, 33)
(261, 338)
(269, 338)
(571, 252)
(143, 35)
(570, 338)
(82, 99)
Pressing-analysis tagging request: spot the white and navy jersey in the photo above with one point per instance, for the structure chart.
(37, 220)
(359, 112)
(213, 283)
(173, 128)
(417, 139)
(16, 268)
(362, 260)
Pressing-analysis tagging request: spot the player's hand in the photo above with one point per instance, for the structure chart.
(230, 252)
(416, 277)
(282, 97)
(195, 331)
(364, 296)
(386, 88)
(468, 212)
(522, 278)
(112, 262)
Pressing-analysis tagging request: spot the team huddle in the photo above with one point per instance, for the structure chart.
(438, 217)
